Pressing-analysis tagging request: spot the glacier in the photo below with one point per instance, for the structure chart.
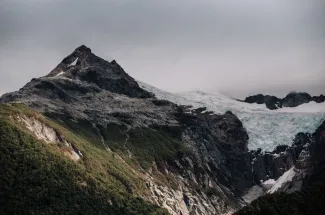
(266, 128)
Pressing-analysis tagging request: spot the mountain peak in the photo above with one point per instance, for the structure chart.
(79, 55)
(83, 49)
(84, 68)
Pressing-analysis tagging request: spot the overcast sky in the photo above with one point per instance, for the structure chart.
(237, 47)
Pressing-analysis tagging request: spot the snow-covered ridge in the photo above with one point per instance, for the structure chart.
(266, 128)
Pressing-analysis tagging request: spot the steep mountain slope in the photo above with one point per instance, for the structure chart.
(149, 145)
(44, 172)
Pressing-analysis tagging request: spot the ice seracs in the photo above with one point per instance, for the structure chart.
(266, 128)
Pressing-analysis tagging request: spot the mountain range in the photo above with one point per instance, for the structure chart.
(87, 138)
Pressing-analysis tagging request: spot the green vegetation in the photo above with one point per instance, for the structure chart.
(36, 178)
(159, 145)
(82, 128)
(114, 136)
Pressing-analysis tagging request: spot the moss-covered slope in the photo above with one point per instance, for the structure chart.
(36, 178)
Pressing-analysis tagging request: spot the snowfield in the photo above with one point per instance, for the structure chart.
(285, 178)
(266, 128)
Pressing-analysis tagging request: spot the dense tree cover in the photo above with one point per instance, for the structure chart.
(146, 144)
(36, 179)
(308, 201)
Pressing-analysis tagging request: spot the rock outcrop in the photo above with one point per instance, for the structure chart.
(49, 135)
(291, 100)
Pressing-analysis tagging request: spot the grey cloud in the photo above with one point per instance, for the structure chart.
(237, 47)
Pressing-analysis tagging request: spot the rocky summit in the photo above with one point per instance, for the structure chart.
(293, 99)
(90, 131)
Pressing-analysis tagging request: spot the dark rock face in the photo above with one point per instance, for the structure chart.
(296, 99)
(94, 70)
(318, 99)
(271, 102)
(258, 99)
(291, 100)
(221, 147)
(316, 158)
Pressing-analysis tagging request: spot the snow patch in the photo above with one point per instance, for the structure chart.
(253, 193)
(74, 62)
(269, 182)
(286, 177)
(60, 73)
